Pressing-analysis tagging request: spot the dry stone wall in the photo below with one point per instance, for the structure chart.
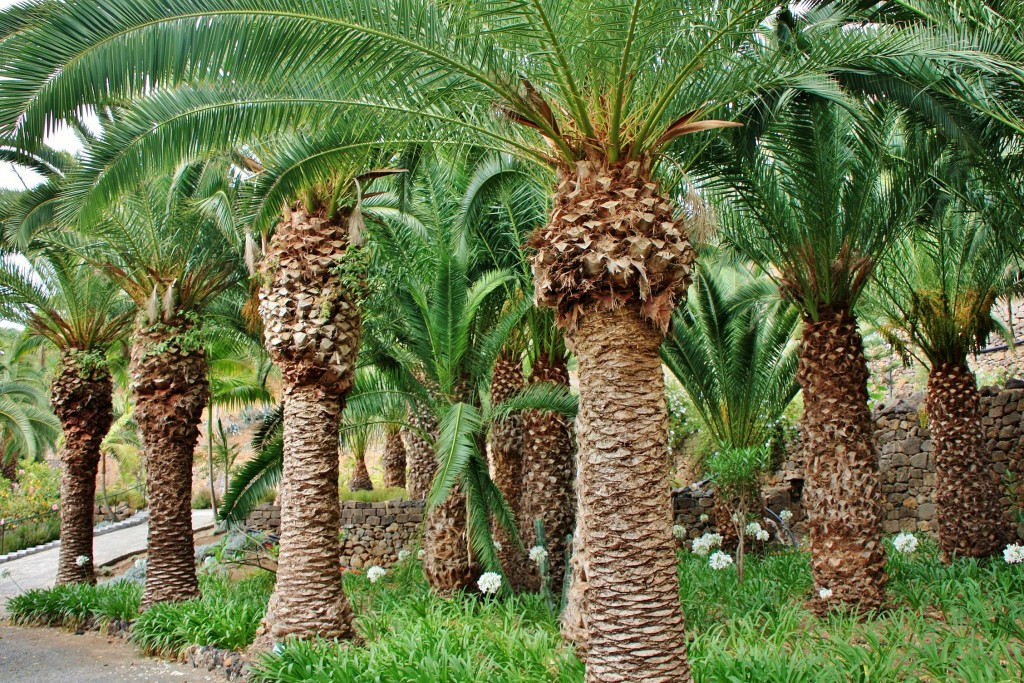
(373, 533)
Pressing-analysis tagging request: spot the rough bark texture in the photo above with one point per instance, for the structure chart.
(842, 492)
(967, 489)
(312, 328)
(169, 382)
(506, 453)
(446, 561)
(394, 460)
(360, 480)
(81, 398)
(9, 469)
(419, 452)
(626, 608)
(549, 468)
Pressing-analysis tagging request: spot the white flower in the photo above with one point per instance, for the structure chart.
(905, 543)
(421, 554)
(82, 560)
(489, 583)
(140, 563)
(719, 560)
(706, 543)
(763, 535)
(679, 531)
(375, 573)
(704, 518)
(403, 555)
(1014, 554)
(498, 546)
(753, 529)
(209, 561)
(538, 554)
(786, 516)
(825, 593)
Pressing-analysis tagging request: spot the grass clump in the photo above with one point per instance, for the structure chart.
(374, 496)
(77, 605)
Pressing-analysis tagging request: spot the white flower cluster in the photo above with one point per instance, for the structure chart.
(421, 554)
(825, 593)
(82, 560)
(489, 583)
(498, 546)
(905, 543)
(538, 554)
(1014, 554)
(375, 573)
(786, 516)
(403, 555)
(706, 543)
(754, 530)
(704, 518)
(679, 531)
(719, 560)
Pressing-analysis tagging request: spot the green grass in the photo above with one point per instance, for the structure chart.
(374, 496)
(72, 606)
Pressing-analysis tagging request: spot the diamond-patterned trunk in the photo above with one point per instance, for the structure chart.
(393, 459)
(360, 480)
(312, 327)
(419, 452)
(506, 455)
(842, 491)
(82, 399)
(170, 386)
(968, 491)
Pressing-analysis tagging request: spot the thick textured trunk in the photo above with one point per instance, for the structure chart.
(626, 590)
(549, 468)
(308, 599)
(169, 382)
(9, 468)
(842, 491)
(360, 480)
(446, 561)
(971, 520)
(507, 464)
(82, 399)
(312, 328)
(393, 460)
(419, 452)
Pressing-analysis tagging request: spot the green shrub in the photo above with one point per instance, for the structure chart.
(201, 499)
(374, 496)
(36, 491)
(29, 533)
(74, 605)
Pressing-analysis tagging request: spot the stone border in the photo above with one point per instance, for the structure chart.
(100, 529)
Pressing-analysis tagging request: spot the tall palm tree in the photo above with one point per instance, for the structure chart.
(65, 301)
(596, 91)
(816, 203)
(934, 295)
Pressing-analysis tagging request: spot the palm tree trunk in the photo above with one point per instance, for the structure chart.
(446, 562)
(626, 589)
(308, 599)
(971, 520)
(9, 467)
(312, 326)
(82, 399)
(548, 473)
(360, 480)
(394, 459)
(419, 452)
(506, 455)
(169, 382)
(842, 492)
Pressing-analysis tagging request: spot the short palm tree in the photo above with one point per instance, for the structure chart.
(28, 428)
(935, 294)
(596, 91)
(817, 202)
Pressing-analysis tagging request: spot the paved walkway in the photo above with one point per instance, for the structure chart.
(47, 655)
(40, 570)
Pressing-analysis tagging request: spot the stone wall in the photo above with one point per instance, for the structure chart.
(372, 533)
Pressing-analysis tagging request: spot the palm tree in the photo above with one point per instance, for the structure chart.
(595, 92)
(393, 458)
(28, 428)
(63, 300)
(934, 294)
(817, 202)
(356, 436)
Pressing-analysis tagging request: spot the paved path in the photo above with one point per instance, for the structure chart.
(40, 570)
(47, 655)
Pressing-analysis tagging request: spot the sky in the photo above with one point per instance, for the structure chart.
(64, 139)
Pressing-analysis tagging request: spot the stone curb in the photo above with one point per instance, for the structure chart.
(99, 530)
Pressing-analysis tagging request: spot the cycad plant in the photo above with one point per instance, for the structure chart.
(816, 203)
(934, 296)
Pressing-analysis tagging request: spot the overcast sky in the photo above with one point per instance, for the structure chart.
(63, 140)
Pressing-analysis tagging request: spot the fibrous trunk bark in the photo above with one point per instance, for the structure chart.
(549, 468)
(446, 561)
(842, 491)
(312, 326)
(626, 604)
(506, 455)
(9, 468)
(169, 382)
(82, 398)
(971, 520)
(360, 480)
(393, 460)
(419, 452)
